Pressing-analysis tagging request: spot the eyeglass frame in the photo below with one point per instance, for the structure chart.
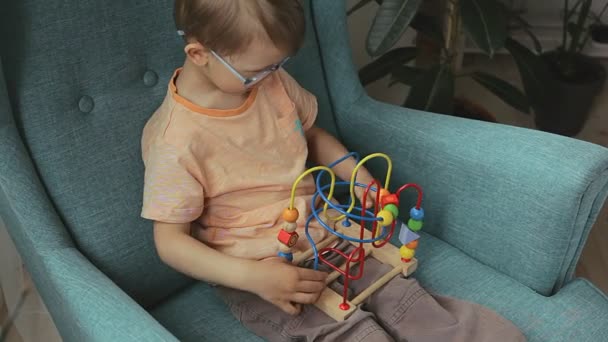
(249, 82)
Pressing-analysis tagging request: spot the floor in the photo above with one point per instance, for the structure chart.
(12, 335)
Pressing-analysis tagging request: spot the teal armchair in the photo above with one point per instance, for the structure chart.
(508, 209)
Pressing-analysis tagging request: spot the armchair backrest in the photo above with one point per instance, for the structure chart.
(83, 76)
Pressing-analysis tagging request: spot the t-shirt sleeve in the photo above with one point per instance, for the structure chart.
(172, 192)
(305, 102)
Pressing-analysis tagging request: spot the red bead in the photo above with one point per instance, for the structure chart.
(288, 239)
(390, 199)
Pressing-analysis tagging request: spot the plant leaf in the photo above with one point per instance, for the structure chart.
(359, 5)
(527, 28)
(537, 46)
(534, 73)
(383, 65)
(406, 74)
(504, 90)
(428, 26)
(433, 91)
(486, 23)
(391, 21)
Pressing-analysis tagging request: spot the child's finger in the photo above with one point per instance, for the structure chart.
(290, 308)
(312, 275)
(310, 286)
(305, 298)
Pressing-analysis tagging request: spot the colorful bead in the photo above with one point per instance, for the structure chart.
(417, 214)
(288, 256)
(406, 253)
(393, 209)
(384, 192)
(283, 248)
(389, 199)
(288, 239)
(290, 226)
(291, 215)
(386, 216)
(414, 225)
(406, 235)
(412, 245)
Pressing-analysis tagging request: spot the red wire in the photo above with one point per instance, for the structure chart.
(378, 244)
(349, 258)
(360, 252)
(363, 202)
(417, 187)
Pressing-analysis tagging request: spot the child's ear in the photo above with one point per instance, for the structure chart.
(197, 53)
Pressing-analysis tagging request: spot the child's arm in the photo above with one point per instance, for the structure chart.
(278, 283)
(324, 149)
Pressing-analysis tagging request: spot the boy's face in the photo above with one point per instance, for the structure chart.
(254, 59)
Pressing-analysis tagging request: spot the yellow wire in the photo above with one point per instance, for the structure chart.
(389, 171)
(333, 183)
(306, 173)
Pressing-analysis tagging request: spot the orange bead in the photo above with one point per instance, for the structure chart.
(384, 192)
(291, 215)
(412, 245)
(390, 199)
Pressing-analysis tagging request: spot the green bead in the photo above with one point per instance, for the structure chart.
(414, 225)
(393, 209)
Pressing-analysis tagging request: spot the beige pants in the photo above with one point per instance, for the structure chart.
(399, 311)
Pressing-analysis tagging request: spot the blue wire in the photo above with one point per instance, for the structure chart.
(315, 212)
(320, 191)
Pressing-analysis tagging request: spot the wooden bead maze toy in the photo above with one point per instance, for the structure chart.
(383, 218)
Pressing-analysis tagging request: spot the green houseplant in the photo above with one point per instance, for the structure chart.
(563, 83)
(432, 85)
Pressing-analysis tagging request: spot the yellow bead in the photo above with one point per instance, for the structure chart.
(386, 216)
(406, 253)
(290, 227)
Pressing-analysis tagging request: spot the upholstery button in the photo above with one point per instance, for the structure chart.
(150, 78)
(86, 104)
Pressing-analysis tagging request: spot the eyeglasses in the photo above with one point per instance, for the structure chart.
(249, 82)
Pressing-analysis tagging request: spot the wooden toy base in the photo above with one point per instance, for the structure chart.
(330, 301)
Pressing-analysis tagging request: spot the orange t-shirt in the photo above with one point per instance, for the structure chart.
(230, 172)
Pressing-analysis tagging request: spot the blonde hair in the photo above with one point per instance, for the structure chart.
(229, 26)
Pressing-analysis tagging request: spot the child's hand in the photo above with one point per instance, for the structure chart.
(287, 286)
(364, 177)
(369, 202)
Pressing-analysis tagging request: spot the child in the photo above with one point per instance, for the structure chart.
(221, 154)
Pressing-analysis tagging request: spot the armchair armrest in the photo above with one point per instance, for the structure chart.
(90, 307)
(84, 303)
(519, 200)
